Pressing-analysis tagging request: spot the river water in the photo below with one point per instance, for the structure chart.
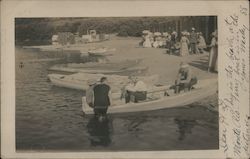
(50, 118)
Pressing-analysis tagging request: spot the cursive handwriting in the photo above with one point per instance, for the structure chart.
(234, 136)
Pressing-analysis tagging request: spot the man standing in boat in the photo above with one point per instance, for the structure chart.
(185, 80)
(102, 97)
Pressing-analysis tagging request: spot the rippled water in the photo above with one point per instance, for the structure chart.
(51, 118)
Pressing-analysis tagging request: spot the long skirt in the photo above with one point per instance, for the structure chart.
(184, 49)
(212, 63)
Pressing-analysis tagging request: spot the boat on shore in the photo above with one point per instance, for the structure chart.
(203, 89)
(79, 80)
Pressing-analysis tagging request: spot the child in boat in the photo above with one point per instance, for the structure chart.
(185, 80)
(135, 90)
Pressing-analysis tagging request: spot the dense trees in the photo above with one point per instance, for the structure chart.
(39, 30)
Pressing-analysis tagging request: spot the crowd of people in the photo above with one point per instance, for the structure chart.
(188, 43)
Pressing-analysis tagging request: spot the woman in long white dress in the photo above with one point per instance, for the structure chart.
(184, 45)
(201, 43)
(213, 55)
(147, 42)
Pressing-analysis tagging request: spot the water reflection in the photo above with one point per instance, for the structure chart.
(185, 127)
(100, 131)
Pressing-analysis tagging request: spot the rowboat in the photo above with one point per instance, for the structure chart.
(100, 52)
(203, 89)
(137, 69)
(79, 80)
(108, 65)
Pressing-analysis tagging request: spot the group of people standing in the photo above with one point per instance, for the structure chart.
(192, 43)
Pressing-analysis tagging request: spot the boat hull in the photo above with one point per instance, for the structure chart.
(79, 80)
(203, 90)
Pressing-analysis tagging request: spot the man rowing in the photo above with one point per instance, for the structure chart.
(185, 80)
(135, 90)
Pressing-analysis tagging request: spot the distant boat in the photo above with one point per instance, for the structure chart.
(203, 89)
(107, 65)
(79, 80)
(127, 66)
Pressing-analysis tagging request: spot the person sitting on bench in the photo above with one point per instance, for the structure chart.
(185, 80)
(135, 91)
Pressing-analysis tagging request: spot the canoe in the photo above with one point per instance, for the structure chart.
(137, 69)
(79, 80)
(203, 89)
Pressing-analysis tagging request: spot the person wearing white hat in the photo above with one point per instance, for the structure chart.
(201, 43)
(184, 44)
(185, 79)
(193, 41)
(135, 90)
(89, 92)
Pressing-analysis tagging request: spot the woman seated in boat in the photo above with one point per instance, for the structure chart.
(135, 90)
(185, 80)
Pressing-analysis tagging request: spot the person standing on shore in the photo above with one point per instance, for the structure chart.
(213, 55)
(102, 97)
(184, 45)
(193, 41)
(201, 43)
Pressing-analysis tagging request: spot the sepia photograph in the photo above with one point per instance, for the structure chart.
(146, 83)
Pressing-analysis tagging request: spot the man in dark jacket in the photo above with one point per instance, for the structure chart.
(193, 41)
(102, 97)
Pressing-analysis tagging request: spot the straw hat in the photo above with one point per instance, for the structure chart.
(184, 65)
(91, 82)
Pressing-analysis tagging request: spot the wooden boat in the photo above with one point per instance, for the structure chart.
(137, 69)
(100, 52)
(107, 65)
(203, 89)
(79, 80)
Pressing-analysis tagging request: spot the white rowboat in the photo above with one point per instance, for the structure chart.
(203, 89)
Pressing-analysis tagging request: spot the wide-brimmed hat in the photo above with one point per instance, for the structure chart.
(91, 82)
(184, 65)
(193, 29)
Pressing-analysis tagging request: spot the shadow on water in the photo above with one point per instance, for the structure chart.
(100, 132)
(184, 127)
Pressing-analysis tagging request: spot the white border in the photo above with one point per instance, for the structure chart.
(38, 8)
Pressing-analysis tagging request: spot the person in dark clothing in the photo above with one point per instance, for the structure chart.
(102, 97)
(193, 39)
